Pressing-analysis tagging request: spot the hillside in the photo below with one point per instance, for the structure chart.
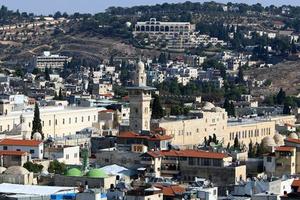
(284, 75)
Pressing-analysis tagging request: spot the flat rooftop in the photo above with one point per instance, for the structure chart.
(49, 110)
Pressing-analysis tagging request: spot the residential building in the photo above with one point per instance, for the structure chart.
(33, 147)
(50, 61)
(186, 165)
(281, 162)
(65, 154)
(57, 121)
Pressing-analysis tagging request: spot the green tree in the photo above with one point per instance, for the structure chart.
(236, 143)
(286, 109)
(36, 123)
(162, 59)
(19, 72)
(214, 139)
(251, 150)
(57, 167)
(240, 77)
(280, 97)
(33, 167)
(157, 110)
(47, 74)
(36, 71)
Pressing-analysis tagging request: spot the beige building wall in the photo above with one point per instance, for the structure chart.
(189, 132)
(56, 122)
(247, 132)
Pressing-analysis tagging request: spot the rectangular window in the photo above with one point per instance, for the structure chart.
(205, 162)
(191, 161)
(63, 121)
(75, 119)
(70, 120)
(94, 117)
(4, 147)
(82, 119)
(56, 122)
(0, 128)
(269, 159)
(18, 150)
(89, 118)
(75, 155)
(31, 151)
(49, 122)
(67, 156)
(217, 162)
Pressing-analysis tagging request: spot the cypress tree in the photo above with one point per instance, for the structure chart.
(236, 144)
(60, 95)
(36, 123)
(250, 150)
(157, 110)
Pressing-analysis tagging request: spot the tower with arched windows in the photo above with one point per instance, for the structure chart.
(140, 99)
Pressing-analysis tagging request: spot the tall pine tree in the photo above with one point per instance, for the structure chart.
(36, 123)
(157, 110)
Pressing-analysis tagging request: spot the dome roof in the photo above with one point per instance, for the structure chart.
(279, 139)
(140, 66)
(217, 109)
(97, 173)
(268, 142)
(16, 170)
(293, 135)
(2, 169)
(73, 172)
(37, 136)
(208, 106)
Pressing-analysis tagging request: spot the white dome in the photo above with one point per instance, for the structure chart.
(140, 66)
(293, 135)
(279, 139)
(44, 172)
(268, 142)
(37, 136)
(208, 106)
(2, 169)
(16, 170)
(128, 24)
(217, 109)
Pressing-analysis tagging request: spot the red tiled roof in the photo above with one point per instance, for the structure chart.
(285, 148)
(296, 183)
(189, 153)
(170, 191)
(287, 124)
(297, 141)
(14, 142)
(13, 153)
(160, 129)
(153, 137)
(106, 95)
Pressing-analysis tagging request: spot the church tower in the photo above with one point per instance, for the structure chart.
(140, 99)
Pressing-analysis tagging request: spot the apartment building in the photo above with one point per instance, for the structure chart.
(33, 147)
(186, 165)
(50, 61)
(57, 121)
(169, 29)
(281, 162)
